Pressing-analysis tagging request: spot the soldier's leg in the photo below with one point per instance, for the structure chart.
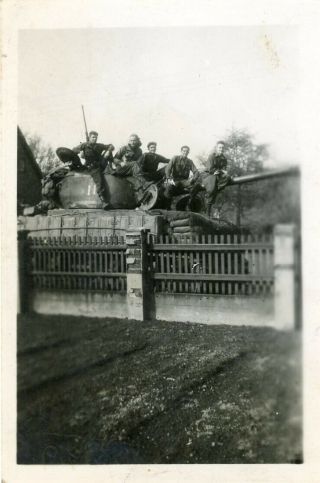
(184, 186)
(102, 188)
(126, 170)
(195, 188)
(169, 191)
(179, 188)
(159, 174)
(223, 181)
(67, 156)
(211, 186)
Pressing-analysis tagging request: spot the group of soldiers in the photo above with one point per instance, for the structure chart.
(178, 176)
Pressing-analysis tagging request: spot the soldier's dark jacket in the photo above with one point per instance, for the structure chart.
(179, 168)
(149, 163)
(128, 154)
(216, 162)
(92, 153)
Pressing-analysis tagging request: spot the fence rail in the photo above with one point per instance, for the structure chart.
(227, 238)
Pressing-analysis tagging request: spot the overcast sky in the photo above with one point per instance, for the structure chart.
(183, 85)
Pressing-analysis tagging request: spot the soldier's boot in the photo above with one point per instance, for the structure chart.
(104, 197)
(105, 205)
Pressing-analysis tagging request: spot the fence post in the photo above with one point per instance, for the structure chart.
(139, 290)
(23, 271)
(284, 273)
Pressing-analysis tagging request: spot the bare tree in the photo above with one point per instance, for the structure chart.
(43, 153)
(244, 157)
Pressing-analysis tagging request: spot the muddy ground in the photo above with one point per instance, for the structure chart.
(96, 391)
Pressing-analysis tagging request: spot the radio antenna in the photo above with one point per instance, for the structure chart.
(85, 124)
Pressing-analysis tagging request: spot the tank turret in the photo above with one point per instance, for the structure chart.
(78, 190)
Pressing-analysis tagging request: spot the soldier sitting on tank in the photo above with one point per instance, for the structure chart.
(215, 178)
(96, 158)
(51, 180)
(178, 173)
(147, 166)
(125, 159)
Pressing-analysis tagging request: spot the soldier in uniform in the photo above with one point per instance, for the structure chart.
(216, 177)
(147, 166)
(125, 159)
(51, 180)
(96, 158)
(178, 173)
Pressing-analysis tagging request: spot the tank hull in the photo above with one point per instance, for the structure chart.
(100, 223)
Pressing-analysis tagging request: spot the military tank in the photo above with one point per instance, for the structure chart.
(135, 206)
(77, 190)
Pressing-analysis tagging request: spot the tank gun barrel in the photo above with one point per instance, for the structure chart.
(248, 178)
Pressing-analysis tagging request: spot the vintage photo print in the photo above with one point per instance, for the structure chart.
(161, 234)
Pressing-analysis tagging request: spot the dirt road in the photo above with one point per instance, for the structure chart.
(110, 391)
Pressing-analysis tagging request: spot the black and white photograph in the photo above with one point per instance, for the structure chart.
(159, 246)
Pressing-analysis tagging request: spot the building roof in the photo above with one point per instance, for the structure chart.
(23, 143)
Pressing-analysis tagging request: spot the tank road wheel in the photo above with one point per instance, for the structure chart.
(149, 198)
(197, 204)
(180, 202)
(185, 202)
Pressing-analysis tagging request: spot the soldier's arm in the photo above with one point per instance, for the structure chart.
(117, 159)
(211, 165)
(169, 167)
(107, 151)
(162, 159)
(109, 147)
(141, 161)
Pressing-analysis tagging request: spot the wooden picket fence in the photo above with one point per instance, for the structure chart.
(78, 263)
(213, 264)
(232, 272)
(207, 264)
